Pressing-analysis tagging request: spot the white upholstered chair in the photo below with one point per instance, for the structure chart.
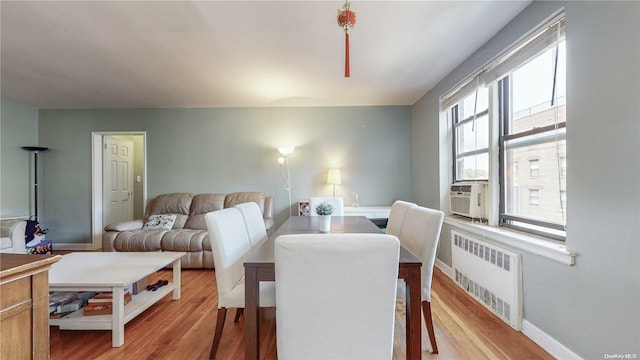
(420, 234)
(231, 246)
(398, 211)
(336, 295)
(336, 202)
(254, 223)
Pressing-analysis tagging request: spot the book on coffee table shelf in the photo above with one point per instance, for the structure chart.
(107, 297)
(102, 304)
(98, 309)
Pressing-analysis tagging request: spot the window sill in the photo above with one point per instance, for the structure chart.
(547, 248)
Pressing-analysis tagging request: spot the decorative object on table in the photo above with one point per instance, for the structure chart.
(41, 248)
(33, 234)
(333, 178)
(284, 168)
(303, 208)
(157, 285)
(324, 211)
(336, 202)
(346, 20)
(356, 199)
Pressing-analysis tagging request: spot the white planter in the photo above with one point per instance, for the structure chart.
(324, 223)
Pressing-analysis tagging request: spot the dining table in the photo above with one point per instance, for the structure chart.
(260, 267)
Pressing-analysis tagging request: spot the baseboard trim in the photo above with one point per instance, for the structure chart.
(551, 345)
(544, 340)
(72, 246)
(448, 270)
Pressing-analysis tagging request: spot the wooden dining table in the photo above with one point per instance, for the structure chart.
(260, 267)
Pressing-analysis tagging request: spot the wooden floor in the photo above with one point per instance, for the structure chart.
(184, 329)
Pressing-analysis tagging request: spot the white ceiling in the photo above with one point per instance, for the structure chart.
(154, 54)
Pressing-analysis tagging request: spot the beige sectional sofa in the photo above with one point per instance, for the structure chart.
(189, 231)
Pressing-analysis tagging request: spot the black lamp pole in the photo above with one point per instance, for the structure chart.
(35, 150)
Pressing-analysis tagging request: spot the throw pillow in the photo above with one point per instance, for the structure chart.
(159, 222)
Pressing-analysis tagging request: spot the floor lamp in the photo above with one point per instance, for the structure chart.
(284, 168)
(35, 150)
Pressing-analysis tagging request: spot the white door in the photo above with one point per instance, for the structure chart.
(117, 180)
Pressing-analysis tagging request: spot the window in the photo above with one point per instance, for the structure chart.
(532, 121)
(534, 168)
(520, 98)
(471, 136)
(534, 197)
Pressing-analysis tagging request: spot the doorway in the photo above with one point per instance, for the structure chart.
(119, 185)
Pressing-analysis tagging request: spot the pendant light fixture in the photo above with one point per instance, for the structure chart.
(346, 20)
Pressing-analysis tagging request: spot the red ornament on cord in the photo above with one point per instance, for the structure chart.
(346, 20)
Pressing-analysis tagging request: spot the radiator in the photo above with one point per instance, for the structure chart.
(490, 274)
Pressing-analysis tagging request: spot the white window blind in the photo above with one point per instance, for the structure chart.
(538, 40)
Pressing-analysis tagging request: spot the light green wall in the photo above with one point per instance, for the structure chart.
(231, 149)
(19, 127)
(592, 307)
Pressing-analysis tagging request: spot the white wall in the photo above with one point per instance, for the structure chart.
(591, 307)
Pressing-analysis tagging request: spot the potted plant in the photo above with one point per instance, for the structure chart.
(324, 211)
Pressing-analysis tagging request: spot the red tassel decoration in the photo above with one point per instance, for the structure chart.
(346, 20)
(347, 72)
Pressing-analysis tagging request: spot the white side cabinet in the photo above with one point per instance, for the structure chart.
(372, 212)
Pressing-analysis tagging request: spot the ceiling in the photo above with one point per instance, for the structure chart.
(158, 54)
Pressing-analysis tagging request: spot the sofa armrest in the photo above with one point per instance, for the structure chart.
(268, 224)
(269, 207)
(14, 230)
(125, 226)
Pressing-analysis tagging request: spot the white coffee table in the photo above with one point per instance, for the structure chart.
(112, 271)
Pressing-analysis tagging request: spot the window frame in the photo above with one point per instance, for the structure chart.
(492, 76)
(555, 231)
(459, 124)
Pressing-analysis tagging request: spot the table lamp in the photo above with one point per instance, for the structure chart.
(334, 179)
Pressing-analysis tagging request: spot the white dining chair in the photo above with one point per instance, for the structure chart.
(254, 223)
(336, 295)
(397, 214)
(336, 202)
(420, 234)
(231, 246)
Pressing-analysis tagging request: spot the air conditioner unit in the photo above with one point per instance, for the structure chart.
(469, 199)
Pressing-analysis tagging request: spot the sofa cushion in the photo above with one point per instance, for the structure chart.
(184, 240)
(159, 222)
(139, 240)
(5, 243)
(234, 199)
(125, 226)
(175, 203)
(200, 205)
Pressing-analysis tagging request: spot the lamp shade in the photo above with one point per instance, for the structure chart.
(286, 150)
(334, 177)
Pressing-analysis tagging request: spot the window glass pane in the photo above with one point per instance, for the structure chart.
(473, 135)
(534, 197)
(469, 103)
(546, 187)
(532, 92)
(534, 168)
(474, 167)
